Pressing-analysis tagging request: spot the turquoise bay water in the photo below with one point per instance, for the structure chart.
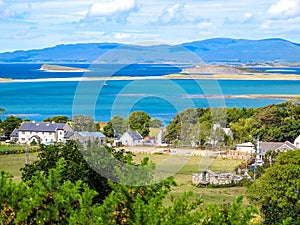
(160, 98)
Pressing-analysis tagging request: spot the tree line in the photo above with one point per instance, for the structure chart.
(275, 122)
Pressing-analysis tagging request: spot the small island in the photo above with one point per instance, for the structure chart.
(56, 68)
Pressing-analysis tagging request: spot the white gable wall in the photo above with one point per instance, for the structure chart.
(297, 142)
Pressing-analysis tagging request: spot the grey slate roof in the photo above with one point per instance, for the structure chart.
(68, 134)
(266, 146)
(15, 133)
(91, 134)
(135, 135)
(40, 127)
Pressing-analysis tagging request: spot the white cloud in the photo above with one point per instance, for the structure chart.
(205, 25)
(113, 9)
(285, 9)
(5, 11)
(120, 36)
(247, 16)
(174, 14)
(178, 15)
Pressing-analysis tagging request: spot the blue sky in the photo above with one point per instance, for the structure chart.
(33, 24)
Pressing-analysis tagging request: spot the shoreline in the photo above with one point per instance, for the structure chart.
(260, 76)
(61, 69)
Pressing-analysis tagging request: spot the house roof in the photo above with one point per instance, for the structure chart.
(46, 127)
(247, 144)
(68, 134)
(14, 133)
(91, 134)
(266, 146)
(135, 135)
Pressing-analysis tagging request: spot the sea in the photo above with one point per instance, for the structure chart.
(36, 94)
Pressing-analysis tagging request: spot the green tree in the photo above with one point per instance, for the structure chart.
(277, 191)
(140, 121)
(83, 123)
(9, 124)
(46, 200)
(77, 166)
(242, 130)
(1, 112)
(119, 125)
(57, 119)
(156, 123)
(173, 130)
(108, 130)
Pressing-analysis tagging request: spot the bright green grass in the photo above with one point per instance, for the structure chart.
(14, 162)
(11, 147)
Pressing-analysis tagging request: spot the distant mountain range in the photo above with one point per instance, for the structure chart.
(216, 50)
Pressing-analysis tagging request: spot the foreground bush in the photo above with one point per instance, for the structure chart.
(48, 199)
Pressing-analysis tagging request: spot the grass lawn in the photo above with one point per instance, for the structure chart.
(11, 147)
(14, 162)
(183, 179)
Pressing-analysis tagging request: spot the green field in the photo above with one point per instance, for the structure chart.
(14, 162)
(184, 179)
(11, 147)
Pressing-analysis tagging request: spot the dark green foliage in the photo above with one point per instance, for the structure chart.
(108, 130)
(277, 191)
(1, 112)
(173, 130)
(279, 122)
(234, 114)
(49, 199)
(76, 167)
(144, 205)
(46, 200)
(57, 119)
(9, 124)
(139, 121)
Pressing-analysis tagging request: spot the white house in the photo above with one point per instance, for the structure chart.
(41, 133)
(297, 142)
(132, 139)
(247, 147)
(274, 146)
(84, 137)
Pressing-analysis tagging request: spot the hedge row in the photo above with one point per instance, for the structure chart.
(18, 151)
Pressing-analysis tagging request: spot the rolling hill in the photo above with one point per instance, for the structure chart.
(216, 50)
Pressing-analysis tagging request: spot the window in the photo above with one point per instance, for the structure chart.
(23, 139)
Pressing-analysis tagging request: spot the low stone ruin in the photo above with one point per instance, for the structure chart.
(217, 178)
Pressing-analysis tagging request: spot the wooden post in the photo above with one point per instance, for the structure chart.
(26, 155)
